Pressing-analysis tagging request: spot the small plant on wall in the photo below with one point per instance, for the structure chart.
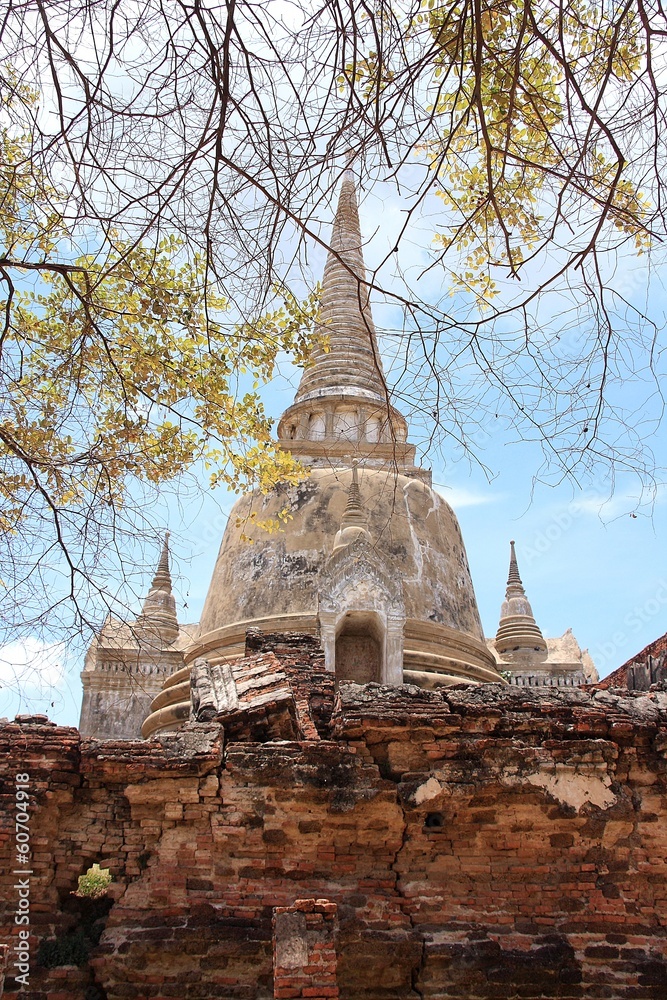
(94, 883)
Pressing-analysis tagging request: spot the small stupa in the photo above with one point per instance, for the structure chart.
(128, 663)
(524, 656)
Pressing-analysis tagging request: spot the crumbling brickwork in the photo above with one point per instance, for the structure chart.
(478, 843)
(304, 950)
(644, 669)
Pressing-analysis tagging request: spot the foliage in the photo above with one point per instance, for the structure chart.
(115, 370)
(119, 366)
(122, 364)
(510, 78)
(179, 163)
(543, 126)
(68, 949)
(94, 883)
(530, 114)
(540, 126)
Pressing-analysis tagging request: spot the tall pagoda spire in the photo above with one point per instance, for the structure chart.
(162, 578)
(341, 411)
(352, 364)
(158, 618)
(517, 628)
(513, 578)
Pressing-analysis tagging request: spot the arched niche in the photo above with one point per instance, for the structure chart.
(359, 652)
(374, 426)
(361, 615)
(346, 425)
(316, 427)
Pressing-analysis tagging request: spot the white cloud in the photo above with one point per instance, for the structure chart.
(459, 496)
(608, 507)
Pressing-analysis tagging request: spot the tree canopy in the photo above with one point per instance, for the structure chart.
(117, 368)
(162, 161)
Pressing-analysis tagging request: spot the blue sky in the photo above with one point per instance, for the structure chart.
(591, 553)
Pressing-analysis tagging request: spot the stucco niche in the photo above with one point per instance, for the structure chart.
(361, 615)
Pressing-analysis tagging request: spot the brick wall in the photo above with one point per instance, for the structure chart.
(481, 843)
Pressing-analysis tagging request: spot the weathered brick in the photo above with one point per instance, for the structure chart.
(546, 877)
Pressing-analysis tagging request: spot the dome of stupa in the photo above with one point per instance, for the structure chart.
(370, 559)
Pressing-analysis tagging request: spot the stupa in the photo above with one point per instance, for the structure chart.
(524, 656)
(128, 662)
(370, 560)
